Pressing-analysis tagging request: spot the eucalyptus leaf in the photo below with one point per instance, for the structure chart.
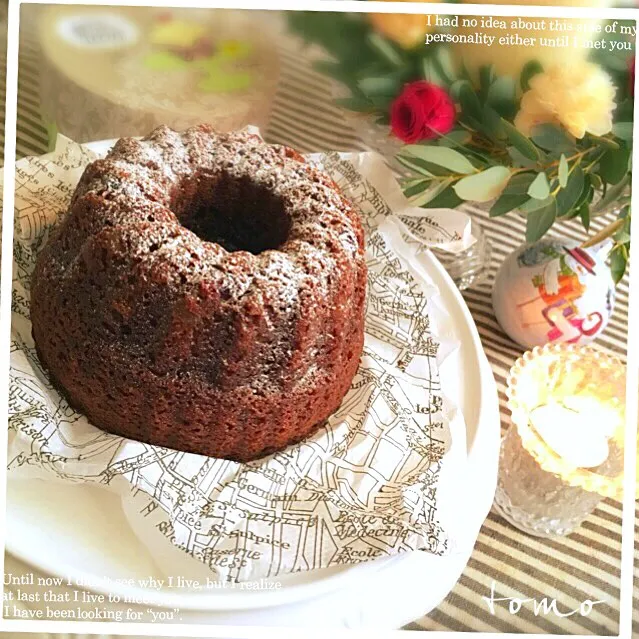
(486, 78)
(441, 156)
(569, 196)
(539, 188)
(623, 237)
(584, 196)
(596, 181)
(519, 184)
(623, 130)
(562, 172)
(501, 96)
(484, 186)
(381, 102)
(447, 199)
(333, 70)
(431, 73)
(458, 137)
(354, 103)
(613, 165)
(507, 202)
(469, 102)
(539, 222)
(340, 34)
(552, 138)
(473, 123)
(519, 159)
(416, 166)
(388, 86)
(487, 75)
(535, 205)
(464, 73)
(444, 61)
(415, 187)
(612, 194)
(625, 110)
(433, 190)
(426, 69)
(618, 264)
(456, 87)
(574, 213)
(520, 141)
(606, 142)
(406, 182)
(492, 123)
(584, 214)
(530, 69)
(385, 49)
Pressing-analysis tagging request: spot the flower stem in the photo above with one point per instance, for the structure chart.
(481, 156)
(604, 234)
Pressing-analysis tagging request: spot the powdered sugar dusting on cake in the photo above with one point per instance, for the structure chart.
(209, 293)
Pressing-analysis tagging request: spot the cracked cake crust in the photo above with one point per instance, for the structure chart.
(204, 292)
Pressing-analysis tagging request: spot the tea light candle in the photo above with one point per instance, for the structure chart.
(577, 430)
(564, 450)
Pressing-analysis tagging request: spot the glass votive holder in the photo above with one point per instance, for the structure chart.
(563, 452)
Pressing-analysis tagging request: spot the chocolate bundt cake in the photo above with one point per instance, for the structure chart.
(204, 292)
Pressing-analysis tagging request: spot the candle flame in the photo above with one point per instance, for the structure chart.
(567, 405)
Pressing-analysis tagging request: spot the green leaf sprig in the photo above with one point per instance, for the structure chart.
(372, 68)
(547, 176)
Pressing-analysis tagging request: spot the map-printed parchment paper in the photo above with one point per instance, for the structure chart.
(366, 485)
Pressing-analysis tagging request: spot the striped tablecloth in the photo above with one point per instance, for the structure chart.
(585, 565)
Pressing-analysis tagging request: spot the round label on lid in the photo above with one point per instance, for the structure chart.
(98, 31)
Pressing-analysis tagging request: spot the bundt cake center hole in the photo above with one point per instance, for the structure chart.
(236, 213)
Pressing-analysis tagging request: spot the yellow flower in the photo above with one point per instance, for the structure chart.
(177, 33)
(579, 96)
(235, 49)
(407, 30)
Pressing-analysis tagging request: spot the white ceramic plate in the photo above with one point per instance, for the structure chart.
(93, 538)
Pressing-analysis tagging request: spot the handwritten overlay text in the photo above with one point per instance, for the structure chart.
(543, 606)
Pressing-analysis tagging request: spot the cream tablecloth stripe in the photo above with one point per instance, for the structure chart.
(582, 566)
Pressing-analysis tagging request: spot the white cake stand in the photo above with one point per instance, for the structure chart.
(94, 539)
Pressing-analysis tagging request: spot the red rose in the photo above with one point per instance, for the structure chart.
(422, 111)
